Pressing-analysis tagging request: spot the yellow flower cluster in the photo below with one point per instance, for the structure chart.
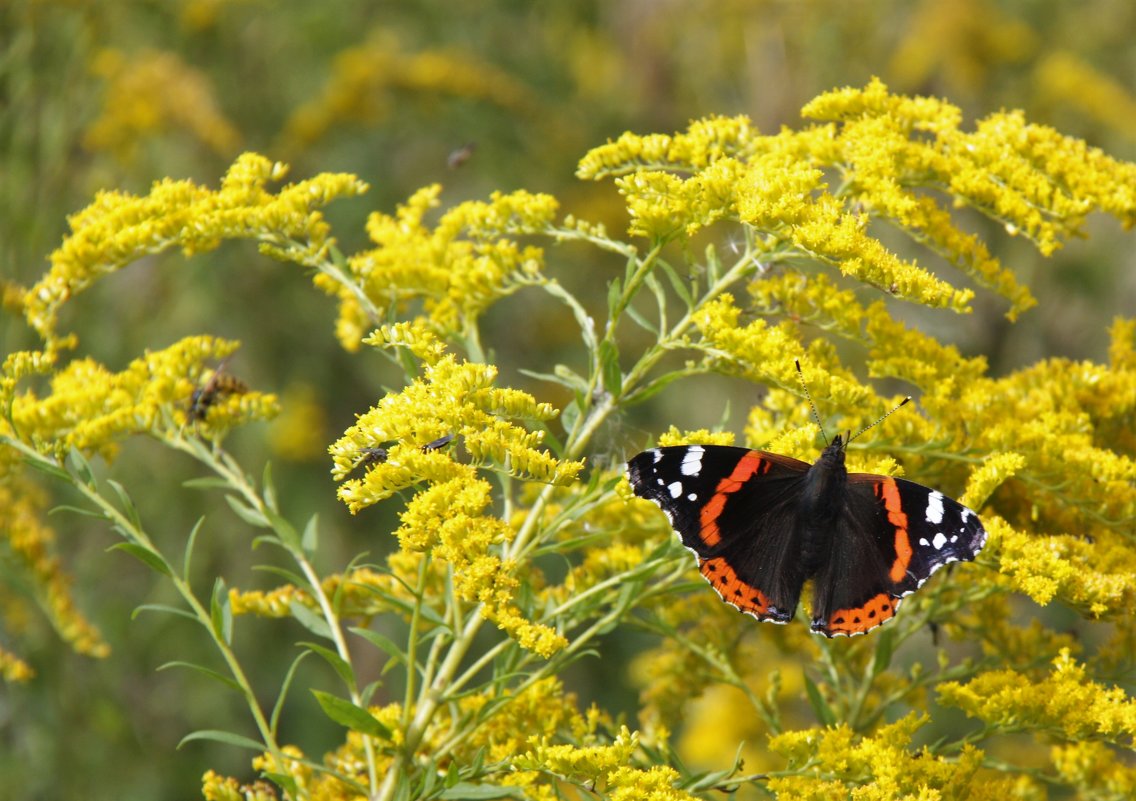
(91, 408)
(606, 769)
(1066, 702)
(1097, 577)
(836, 763)
(119, 228)
(31, 546)
(1097, 770)
(1067, 81)
(456, 269)
(888, 151)
(510, 726)
(448, 516)
(155, 93)
(367, 76)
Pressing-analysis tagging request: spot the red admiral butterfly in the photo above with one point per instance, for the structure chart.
(761, 524)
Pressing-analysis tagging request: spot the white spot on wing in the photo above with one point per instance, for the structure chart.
(692, 461)
(692, 497)
(658, 455)
(675, 489)
(939, 541)
(935, 509)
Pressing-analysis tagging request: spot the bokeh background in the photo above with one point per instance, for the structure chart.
(494, 95)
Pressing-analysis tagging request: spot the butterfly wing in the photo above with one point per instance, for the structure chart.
(735, 509)
(892, 535)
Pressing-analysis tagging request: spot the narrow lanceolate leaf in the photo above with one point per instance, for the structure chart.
(347, 714)
(151, 558)
(341, 666)
(246, 512)
(127, 502)
(310, 620)
(213, 674)
(226, 737)
(221, 612)
(823, 711)
(609, 368)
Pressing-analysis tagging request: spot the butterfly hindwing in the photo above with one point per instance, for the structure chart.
(734, 508)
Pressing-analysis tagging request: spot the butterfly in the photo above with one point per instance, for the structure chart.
(762, 524)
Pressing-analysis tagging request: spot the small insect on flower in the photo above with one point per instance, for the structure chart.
(370, 456)
(220, 385)
(461, 155)
(439, 443)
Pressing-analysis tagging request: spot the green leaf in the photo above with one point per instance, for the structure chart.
(609, 368)
(209, 672)
(46, 465)
(95, 513)
(221, 612)
(467, 790)
(82, 467)
(614, 295)
(679, 285)
(347, 714)
(278, 707)
(885, 646)
(128, 506)
(571, 379)
(292, 578)
(189, 543)
(226, 737)
(284, 530)
(382, 642)
(823, 711)
(269, 492)
(309, 620)
(206, 482)
(246, 512)
(165, 609)
(713, 265)
(309, 542)
(341, 666)
(147, 556)
(643, 322)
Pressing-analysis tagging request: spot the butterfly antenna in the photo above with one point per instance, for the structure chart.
(902, 403)
(812, 405)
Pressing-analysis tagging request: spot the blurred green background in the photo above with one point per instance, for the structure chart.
(499, 94)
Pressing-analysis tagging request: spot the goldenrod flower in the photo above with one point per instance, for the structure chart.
(366, 76)
(837, 763)
(456, 269)
(119, 228)
(91, 408)
(151, 94)
(1066, 702)
(894, 155)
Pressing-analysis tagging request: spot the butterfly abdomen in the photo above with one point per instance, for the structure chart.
(820, 506)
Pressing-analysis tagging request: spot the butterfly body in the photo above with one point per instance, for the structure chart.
(762, 524)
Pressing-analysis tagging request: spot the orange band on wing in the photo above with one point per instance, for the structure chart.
(861, 619)
(749, 465)
(888, 491)
(733, 590)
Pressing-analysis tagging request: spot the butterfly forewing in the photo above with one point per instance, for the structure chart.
(734, 508)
